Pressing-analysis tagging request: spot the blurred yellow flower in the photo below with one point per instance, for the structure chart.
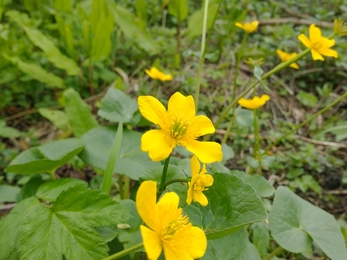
(179, 126)
(255, 102)
(166, 228)
(154, 73)
(319, 45)
(340, 27)
(200, 180)
(285, 56)
(248, 27)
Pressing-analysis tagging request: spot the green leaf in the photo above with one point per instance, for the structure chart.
(98, 144)
(195, 21)
(295, 223)
(46, 158)
(245, 117)
(178, 8)
(46, 45)
(228, 152)
(67, 228)
(261, 237)
(232, 247)
(132, 29)
(339, 130)
(50, 190)
(8, 132)
(259, 183)
(117, 106)
(8, 193)
(232, 205)
(57, 117)
(155, 173)
(9, 226)
(132, 235)
(80, 117)
(307, 99)
(37, 72)
(30, 188)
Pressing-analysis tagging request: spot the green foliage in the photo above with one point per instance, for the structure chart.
(57, 117)
(295, 224)
(8, 132)
(60, 225)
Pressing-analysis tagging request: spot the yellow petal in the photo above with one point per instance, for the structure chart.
(282, 55)
(167, 210)
(176, 250)
(294, 65)
(316, 55)
(152, 109)
(200, 125)
(315, 33)
(153, 72)
(264, 98)
(151, 242)
(194, 166)
(207, 152)
(198, 244)
(190, 192)
(165, 77)
(239, 25)
(146, 198)
(201, 198)
(181, 106)
(305, 40)
(158, 144)
(328, 52)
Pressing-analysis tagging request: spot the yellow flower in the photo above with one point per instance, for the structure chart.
(178, 126)
(154, 73)
(285, 56)
(199, 182)
(166, 227)
(255, 102)
(318, 44)
(248, 27)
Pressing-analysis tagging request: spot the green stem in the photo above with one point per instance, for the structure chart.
(175, 180)
(202, 56)
(265, 76)
(125, 252)
(256, 152)
(163, 177)
(126, 189)
(304, 123)
(120, 186)
(155, 90)
(52, 173)
(273, 253)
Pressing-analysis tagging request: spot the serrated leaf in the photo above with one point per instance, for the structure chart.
(67, 227)
(295, 223)
(232, 247)
(232, 204)
(80, 117)
(9, 230)
(98, 144)
(259, 183)
(50, 190)
(46, 158)
(57, 117)
(133, 30)
(37, 72)
(8, 132)
(117, 106)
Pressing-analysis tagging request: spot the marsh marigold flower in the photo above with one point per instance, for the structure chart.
(178, 126)
(154, 73)
(319, 45)
(248, 27)
(200, 180)
(255, 102)
(166, 228)
(285, 56)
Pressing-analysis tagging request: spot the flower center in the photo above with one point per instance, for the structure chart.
(178, 128)
(174, 226)
(202, 182)
(317, 45)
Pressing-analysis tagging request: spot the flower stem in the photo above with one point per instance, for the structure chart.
(155, 90)
(273, 253)
(202, 56)
(125, 252)
(52, 173)
(256, 152)
(126, 187)
(163, 177)
(175, 180)
(265, 76)
(304, 123)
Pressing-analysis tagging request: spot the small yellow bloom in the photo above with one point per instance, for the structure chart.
(154, 73)
(166, 228)
(248, 27)
(255, 102)
(319, 45)
(200, 180)
(340, 27)
(285, 56)
(179, 126)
